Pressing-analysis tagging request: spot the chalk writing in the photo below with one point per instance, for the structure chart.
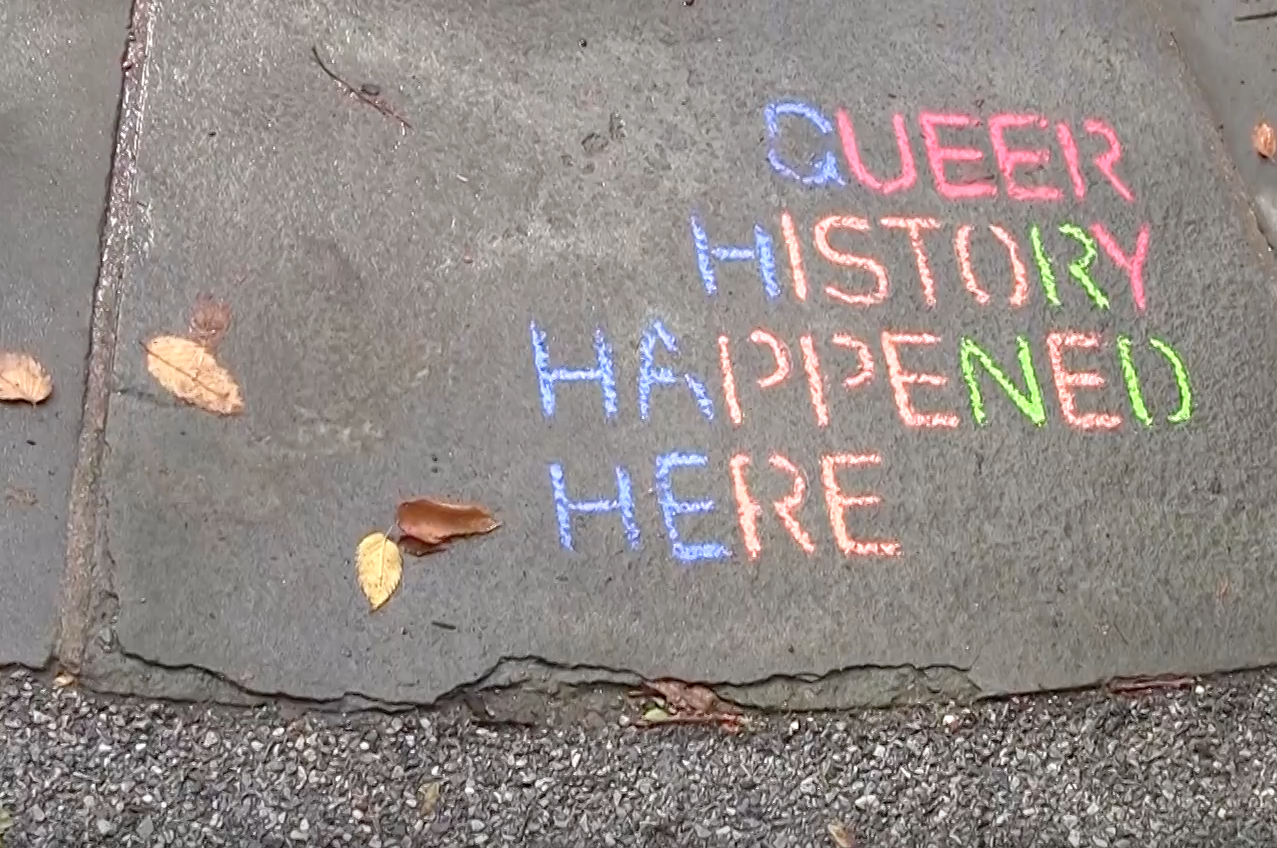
(1051, 378)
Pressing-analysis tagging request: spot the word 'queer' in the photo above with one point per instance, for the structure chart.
(950, 142)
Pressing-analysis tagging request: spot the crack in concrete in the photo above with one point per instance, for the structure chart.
(84, 519)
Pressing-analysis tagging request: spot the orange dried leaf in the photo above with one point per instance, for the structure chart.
(434, 521)
(23, 378)
(188, 370)
(210, 319)
(1264, 137)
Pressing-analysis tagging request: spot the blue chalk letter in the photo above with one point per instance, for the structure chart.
(763, 252)
(822, 169)
(547, 376)
(671, 509)
(651, 373)
(623, 504)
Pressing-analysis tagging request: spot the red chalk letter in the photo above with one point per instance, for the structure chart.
(779, 351)
(901, 380)
(838, 504)
(785, 506)
(795, 254)
(1019, 294)
(1009, 160)
(866, 372)
(1133, 265)
(1066, 381)
(908, 172)
(915, 226)
(747, 509)
(962, 247)
(850, 260)
(815, 382)
(938, 155)
(729, 380)
(1106, 160)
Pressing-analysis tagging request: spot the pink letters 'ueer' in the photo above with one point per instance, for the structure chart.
(939, 156)
(1009, 160)
(851, 150)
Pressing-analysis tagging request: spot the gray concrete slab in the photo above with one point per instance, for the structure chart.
(1231, 46)
(59, 92)
(397, 286)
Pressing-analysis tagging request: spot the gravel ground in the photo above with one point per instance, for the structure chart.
(1191, 767)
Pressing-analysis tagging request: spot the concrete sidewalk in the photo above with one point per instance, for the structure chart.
(832, 356)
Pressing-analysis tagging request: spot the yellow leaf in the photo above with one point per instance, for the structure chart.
(188, 370)
(380, 567)
(22, 378)
(428, 798)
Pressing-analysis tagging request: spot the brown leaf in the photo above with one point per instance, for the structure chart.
(434, 521)
(187, 369)
(1264, 137)
(379, 567)
(685, 697)
(210, 319)
(418, 548)
(23, 378)
(840, 835)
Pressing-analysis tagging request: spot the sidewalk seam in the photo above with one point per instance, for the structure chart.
(84, 503)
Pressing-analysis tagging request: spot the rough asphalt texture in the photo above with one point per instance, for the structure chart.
(1194, 767)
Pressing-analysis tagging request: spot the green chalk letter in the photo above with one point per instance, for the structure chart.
(1029, 402)
(1132, 381)
(1079, 269)
(1185, 410)
(1044, 266)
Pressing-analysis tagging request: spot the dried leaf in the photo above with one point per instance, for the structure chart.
(434, 521)
(416, 547)
(428, 798)
(1264, 137)
(840, 835)
(380, 568)
(187, 369)
(210, 319)
(23, 378)
(685, 697)
(63, 680)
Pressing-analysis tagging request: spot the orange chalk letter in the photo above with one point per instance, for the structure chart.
(1066, 382)
(901, 380)
(839, 502)
(850, 260)
(915, 227)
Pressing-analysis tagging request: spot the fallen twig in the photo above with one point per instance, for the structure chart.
(728, 721)
(374, 101)
(1257, 16)
(1143, 684)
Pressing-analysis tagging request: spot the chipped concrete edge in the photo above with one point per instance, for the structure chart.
(83, 524)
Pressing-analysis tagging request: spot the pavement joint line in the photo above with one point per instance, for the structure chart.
(84, 504)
